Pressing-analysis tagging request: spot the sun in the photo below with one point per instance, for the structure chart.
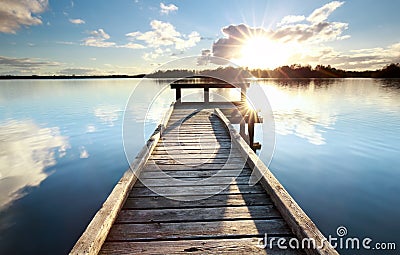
(263, 52)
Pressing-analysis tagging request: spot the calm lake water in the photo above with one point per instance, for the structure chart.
(61, 152)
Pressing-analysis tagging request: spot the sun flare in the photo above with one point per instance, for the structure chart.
(263, 52)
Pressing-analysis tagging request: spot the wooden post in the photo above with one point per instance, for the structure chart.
(206, 94)
(242, 131)
(250, 128)
(243, 92)
(178, 95)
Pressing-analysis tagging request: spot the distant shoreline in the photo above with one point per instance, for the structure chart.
(38, 77)
(65, 77)
(291, 72)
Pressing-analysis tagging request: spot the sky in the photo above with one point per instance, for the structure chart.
(64, 37)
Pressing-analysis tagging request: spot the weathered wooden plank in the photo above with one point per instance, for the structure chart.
(191, 131)
(185, 230)
(196, 139)
(195, 156)
(192, 174)
(172, 144)
(196, 190)
(197, 147)
(219, 180)
(262, 212)
(191, 127)
(161, 150)
(191, 161)
(194, 134)
(218, 166)
(245, 246)
(200, 124)
(219, 200)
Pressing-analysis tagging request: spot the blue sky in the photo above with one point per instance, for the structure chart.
(135, 36)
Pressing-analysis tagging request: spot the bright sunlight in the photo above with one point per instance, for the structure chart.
(262, 52)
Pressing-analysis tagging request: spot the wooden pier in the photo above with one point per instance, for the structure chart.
(188, 192)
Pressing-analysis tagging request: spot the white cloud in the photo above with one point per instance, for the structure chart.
(166, 9)
(17, 13)
(98, 38)
(187, 42)
(291, 19)
(131, 45)
(164, 34)
(321, 14)
(77, 21)
(26, 151)
(361, 59)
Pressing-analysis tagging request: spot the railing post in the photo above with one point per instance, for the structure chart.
(206, 94)
(242, 129)
(178, 95)
(250, 128)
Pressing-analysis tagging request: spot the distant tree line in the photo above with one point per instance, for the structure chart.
(227, 73)
(293, 71)
(66, 77)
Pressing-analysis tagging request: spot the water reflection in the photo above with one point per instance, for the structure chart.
(108, 114)
(297, 111)
(83, 153)
(353, 169)
(26, 150)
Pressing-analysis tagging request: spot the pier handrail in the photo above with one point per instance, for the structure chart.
(208, 82)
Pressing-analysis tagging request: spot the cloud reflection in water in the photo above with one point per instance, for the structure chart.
(26, 150)
(108, 114)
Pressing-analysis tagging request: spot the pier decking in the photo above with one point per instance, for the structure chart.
(188, 192)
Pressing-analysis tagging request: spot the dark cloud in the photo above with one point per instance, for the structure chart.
(204, 59)
(235, 35)
(77, 71)
(26, 63)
